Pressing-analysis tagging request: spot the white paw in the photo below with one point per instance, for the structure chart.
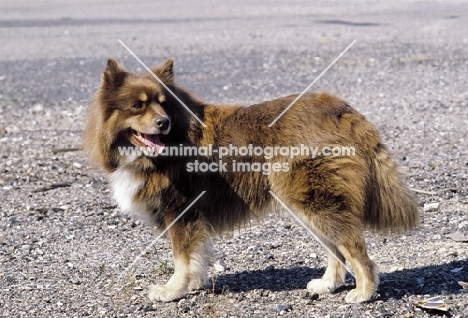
(322, 286)
(356, 296)
(165, 293)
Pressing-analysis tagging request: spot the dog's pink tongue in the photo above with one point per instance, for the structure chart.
(154, 142)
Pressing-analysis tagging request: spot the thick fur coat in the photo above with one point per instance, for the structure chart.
(336, 196)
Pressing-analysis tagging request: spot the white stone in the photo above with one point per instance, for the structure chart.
(430, 207)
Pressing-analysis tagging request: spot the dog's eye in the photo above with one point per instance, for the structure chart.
(138, 105)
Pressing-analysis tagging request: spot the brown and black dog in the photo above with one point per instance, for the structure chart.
(337, 196)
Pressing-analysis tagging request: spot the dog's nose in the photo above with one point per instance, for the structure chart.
(162, 123)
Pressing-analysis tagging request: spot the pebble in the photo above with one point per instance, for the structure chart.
(444, 230)
(37, 108)
(396, 268)
(148, 307)
(431, 207)
(75, 280)
(219, 266)
(456, 270)
(77, 165)
(281, 307)
(269, 268)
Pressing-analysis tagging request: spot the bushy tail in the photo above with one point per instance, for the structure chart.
(390, 205)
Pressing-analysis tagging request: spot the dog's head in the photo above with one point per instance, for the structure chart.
(134, 110)
(135, 104)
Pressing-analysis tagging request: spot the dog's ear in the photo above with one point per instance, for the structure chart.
(165, 71)
(113, 74)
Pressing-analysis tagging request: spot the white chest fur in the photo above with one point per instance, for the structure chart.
(125, 186)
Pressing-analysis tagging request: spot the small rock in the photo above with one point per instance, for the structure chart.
(75, 280)
(452, 253)
(444, 231)
(431, 207)
(456, 270)
(458, 236)
(219, 266)
(269, 268)
(281, 307)
(37, 108)
(272, 245)
(148, 307)
(77, 165)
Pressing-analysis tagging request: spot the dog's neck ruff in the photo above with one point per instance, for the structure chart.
(125, 186)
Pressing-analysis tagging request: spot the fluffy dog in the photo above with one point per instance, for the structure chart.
(337, 196)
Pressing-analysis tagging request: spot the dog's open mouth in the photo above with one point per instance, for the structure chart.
(149, 140)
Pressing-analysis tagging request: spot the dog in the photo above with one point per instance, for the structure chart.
(337, 196)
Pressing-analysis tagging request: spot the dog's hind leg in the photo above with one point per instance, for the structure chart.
(344, 231)
(364, 268)
(329, 197)
(348, 244)
(189, 246)
(335, 273)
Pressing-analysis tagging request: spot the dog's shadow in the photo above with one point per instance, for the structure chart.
(427, 280)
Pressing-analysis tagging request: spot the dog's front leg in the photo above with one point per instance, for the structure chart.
(190, 245)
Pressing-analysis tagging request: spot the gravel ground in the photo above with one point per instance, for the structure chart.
(64, 245)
